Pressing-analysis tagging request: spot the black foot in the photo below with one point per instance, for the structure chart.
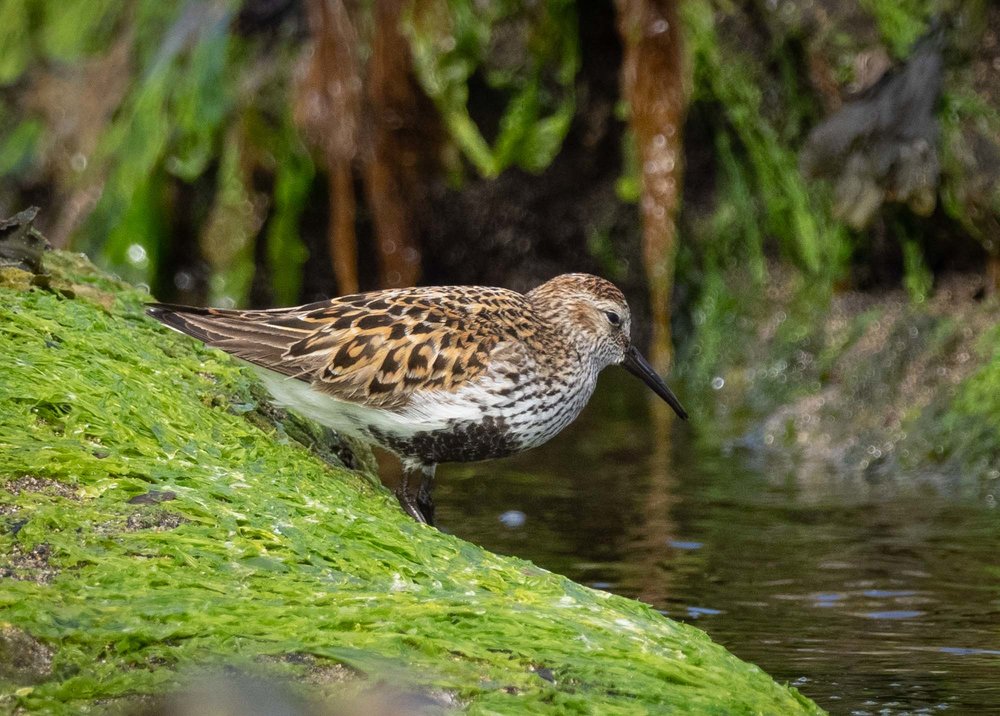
(426, 506)
(409, 506)
(422, 508)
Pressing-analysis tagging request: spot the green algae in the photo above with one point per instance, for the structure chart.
(971, 421)
(257, 552)
(452, 41)
(783, 203)
(900, 23)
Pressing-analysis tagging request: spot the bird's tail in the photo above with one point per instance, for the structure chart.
(260, 337)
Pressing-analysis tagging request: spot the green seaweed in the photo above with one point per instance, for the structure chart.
(451, 41)
(17, 148)
(971, 421)
(169, 127)
(917, 277)
(182, 121)
(761, 204)
(267, 554)
(15, 39)
(900, 22)
(286, 253)
(792, 212)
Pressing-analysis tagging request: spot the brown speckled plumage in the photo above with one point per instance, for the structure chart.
(434, 374)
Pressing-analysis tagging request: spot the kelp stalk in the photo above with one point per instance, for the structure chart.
(328, 108)
(653, 83)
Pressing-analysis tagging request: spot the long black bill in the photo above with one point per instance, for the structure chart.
(635, 364)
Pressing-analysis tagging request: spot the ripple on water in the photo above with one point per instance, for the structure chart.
(893, 614)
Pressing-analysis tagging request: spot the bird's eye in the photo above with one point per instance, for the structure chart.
(613, 318)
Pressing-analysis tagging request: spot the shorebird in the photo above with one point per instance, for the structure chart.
(435, 374)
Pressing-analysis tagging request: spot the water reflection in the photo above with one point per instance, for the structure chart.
(877, 601)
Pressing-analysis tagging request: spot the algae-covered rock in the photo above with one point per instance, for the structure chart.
(173, 532)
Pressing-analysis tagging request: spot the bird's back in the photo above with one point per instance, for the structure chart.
(376, 349)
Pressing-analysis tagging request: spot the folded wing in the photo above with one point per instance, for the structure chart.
(374, 349)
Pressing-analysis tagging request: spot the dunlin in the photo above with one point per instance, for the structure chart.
(435, 374)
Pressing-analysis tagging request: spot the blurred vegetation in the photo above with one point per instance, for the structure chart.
(533, 59)
(162, 138)
(761, 104)
(187, 112)
(873, 388)
(762, 194)
(971, 423)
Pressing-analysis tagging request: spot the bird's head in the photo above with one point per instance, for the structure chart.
(596, 315)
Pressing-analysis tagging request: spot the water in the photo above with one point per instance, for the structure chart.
(870, 599)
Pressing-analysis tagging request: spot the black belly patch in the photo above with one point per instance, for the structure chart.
(462, 442)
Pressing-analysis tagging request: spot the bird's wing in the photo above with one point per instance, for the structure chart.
(375, 349)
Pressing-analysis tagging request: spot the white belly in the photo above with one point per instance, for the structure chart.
(531, 413)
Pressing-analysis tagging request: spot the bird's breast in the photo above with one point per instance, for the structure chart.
(501, 414)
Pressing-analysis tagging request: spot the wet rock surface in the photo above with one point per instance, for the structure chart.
(23, 659)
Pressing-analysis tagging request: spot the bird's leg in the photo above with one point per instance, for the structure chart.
(424, 501)
(406, 499)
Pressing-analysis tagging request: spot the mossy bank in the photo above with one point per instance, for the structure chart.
(871, 389)
(156, 516)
